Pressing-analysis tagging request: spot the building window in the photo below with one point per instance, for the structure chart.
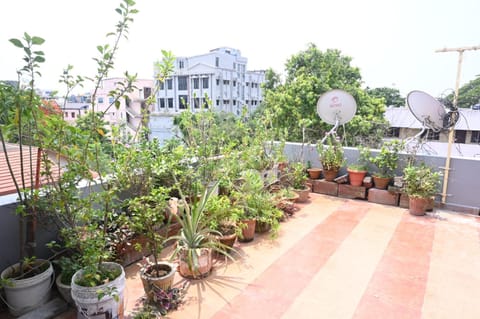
(169, 84)
(234, 65)
(73, 115)
(234, 102)
(218, 82)
(195, 83)
(247, 84)
(393, 132)
(110, 99)
(161, 85)
(226, 82)
(66, 113)
(182, 101)
(196, 103)
(218, 102)
(147, 92)
(170, 103)
(181, 64)
(100, 100)
(182, 82)
(475, 138)
(161, 103)
(433, 136)
(205, 83)
(234, 83)
(217, 61)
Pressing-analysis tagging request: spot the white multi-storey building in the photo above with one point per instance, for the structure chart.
(131, 109)
(218, 79)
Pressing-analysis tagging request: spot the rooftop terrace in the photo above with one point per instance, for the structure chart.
(341, 258)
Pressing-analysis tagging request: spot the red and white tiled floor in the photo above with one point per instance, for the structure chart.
(339, 258)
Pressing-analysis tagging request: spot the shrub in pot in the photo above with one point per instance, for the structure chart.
(222, 216)
(358, 170)
(421, 183)
(297, 179)
(331, 156)
(146, 218)
(386, 162)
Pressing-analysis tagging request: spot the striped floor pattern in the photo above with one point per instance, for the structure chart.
(339, 258)
(342, 258)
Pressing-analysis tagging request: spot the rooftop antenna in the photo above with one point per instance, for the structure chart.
(336, 107)
(455, 100)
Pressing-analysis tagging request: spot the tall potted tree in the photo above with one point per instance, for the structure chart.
(146, 218)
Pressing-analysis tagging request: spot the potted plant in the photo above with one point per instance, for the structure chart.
(146, 218)
(27, 284)
(195, 243)
(386, 162)
(222, 216)
(297, 179)
(313, 172)
(358, 170)
(332, 157)
(420, 184)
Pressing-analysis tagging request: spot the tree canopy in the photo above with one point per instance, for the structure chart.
(292, 106)
(392, 96)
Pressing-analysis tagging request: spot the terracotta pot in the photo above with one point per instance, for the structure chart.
(330, 175)
(314, 173)
(204, 264)
(381, 182)
(262, 227)
(356, 177)
(228, 240)
(248, 230)
(303, 194)
(417, 205)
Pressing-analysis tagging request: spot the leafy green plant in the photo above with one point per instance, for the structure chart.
(363, 160)
(331, 155)
(387, 159)
(146, 215)
(296, 175)
(421, 180)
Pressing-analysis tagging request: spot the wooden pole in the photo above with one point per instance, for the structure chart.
(451, 131)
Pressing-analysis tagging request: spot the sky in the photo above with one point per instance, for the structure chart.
(393, 43)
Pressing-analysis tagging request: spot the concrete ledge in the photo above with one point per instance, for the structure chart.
(382, 196)
(324, 187)
(353, 192)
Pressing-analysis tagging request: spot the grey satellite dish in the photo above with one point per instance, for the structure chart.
(336, 107)
(430, 112)
(427, 110)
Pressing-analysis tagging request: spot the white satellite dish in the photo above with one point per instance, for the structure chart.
(427, 110)
(336, 107)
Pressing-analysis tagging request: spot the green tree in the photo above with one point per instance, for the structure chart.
(469, 94)
(390, 95)
(292, 106)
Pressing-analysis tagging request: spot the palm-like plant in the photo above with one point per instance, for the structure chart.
(196, 240)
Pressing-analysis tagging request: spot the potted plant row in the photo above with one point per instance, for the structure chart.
(331, 156)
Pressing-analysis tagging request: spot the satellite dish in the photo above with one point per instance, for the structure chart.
(427, 110)
(336, 107)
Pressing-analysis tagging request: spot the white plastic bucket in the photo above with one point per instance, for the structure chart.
(86, 298)
(27, 294)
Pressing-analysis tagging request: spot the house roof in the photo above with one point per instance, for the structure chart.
(402, 117)
(7, 185)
